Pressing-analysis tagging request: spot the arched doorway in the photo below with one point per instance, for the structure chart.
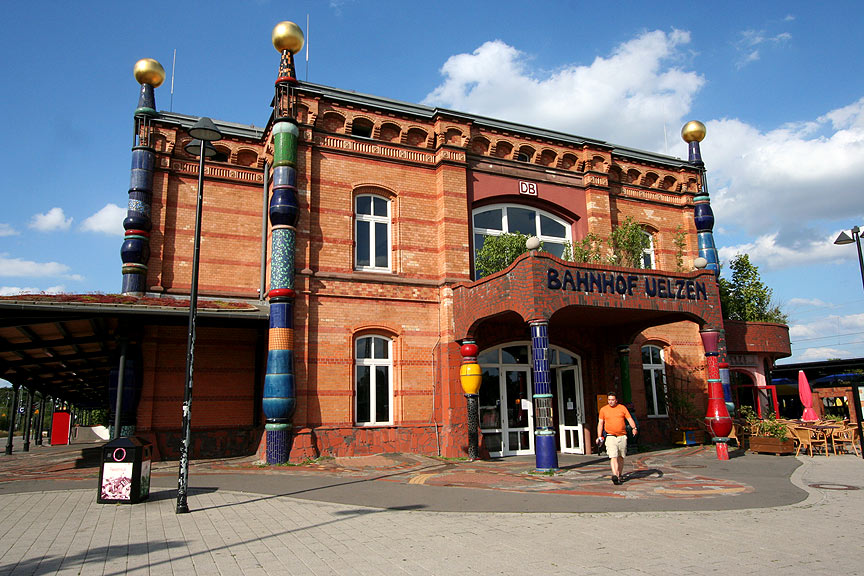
(506, 402)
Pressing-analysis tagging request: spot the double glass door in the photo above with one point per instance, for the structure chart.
(506, 411)
(571, 410)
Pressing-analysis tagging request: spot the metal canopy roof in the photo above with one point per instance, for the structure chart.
(66, 349)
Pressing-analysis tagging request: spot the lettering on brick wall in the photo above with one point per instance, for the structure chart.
(528, 188)
(625, 284)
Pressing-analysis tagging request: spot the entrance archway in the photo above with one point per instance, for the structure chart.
(506, 407)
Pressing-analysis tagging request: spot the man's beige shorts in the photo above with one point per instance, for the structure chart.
(616, 446)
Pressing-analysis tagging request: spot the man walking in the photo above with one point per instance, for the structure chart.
(612, 421)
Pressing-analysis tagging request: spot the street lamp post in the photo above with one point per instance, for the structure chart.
(844, 238)
(203, 132)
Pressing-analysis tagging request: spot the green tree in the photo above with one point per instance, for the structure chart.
(589, 249)
(498, 252)
(745, 297)
(629, 243)
(680, 242)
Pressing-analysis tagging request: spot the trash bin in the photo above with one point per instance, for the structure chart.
(124, 476)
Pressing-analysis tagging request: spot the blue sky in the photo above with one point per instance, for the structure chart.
(780, 86)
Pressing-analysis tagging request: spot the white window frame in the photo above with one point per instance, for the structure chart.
(372, 220)
(655, 369)
(568, 226)
(649, 252)
(373, 363)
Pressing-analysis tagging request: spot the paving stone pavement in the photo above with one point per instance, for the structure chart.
(233, 532)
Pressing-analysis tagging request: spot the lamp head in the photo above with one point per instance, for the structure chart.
(843, 238)
(204, 129)
(193, 148)
(700, 263)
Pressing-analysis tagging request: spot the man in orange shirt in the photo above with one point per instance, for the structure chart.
(612, 422)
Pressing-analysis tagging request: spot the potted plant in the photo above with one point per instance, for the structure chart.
(768, 434)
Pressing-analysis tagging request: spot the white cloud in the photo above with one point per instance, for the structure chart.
(814, 302)
(831, 326)
(816, 354)
(108, 220)
(773, 254)
(52, 220)
(15, 290)
(749, 40)
(7, 230)
(626, 97)
(16, 267)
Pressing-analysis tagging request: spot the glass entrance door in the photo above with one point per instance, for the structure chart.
(506, 413)
(518, 433)
(571, 410)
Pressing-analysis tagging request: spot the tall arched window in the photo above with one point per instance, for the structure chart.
(654, 377)
(373, 381)
(648, 261)
(372, 233)
(513, 218)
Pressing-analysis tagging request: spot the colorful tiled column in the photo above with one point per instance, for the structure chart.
(545, 450)
(279, 400)
(135, 251)
(471, 377)
(717, 416)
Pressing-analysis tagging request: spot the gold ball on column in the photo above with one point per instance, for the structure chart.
(149, 71)
(693, 131)
(288, 36)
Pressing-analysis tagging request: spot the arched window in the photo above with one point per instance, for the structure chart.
(373, 381)
(372, 233)
(654, 377)
(512, 218)
(648, 261)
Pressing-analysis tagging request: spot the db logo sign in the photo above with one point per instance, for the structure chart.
(529, 188)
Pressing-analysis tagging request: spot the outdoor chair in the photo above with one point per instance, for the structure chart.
(848, 436)
(808, 438)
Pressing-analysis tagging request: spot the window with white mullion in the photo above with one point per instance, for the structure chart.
(372, 233)
(654, 379)
(373, 381)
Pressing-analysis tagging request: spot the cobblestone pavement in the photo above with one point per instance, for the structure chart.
(250, 528)
(229, 532)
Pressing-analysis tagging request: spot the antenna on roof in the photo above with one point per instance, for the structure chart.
(173, 65)
(307, 48)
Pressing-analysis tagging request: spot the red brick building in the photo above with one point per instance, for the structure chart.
(394, 200)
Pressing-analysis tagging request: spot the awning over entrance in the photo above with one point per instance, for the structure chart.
(538, 286)
(66, 345)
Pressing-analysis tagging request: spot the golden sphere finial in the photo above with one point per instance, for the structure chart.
(149, 71)
(288, 36)
(693, 131)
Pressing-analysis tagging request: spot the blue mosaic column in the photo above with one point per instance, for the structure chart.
(545, 451)
(279, 398)
(135, 251)
(694, 132)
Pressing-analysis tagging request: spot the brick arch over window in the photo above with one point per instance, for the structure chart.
(390, 132)
(599, 164)
(362, 126)
(453, 136)
(374, 228)
(503, 149)
(634, 176)
(568, 162)
(526, 153)
(547, 157)
(669, 183)
(480, 146)
(301, 114)
(333, 122)
(650, 179)
(246, 157)
(417, 137)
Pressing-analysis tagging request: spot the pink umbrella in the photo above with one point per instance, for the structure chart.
(806, 397)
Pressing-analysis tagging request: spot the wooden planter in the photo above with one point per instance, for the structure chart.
(771, 445)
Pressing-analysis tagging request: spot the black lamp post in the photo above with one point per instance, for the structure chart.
(203, 132)
(844, 238)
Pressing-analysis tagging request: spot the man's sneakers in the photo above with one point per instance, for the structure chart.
(615, 480)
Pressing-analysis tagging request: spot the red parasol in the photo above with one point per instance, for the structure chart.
(806, 397)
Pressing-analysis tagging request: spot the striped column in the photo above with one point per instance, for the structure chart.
(135, 251)
(693, 133)
(545, 450)
(279, 398)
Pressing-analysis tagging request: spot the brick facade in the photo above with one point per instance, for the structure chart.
(434, 168)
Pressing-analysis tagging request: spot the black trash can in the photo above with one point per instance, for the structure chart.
(124, 476)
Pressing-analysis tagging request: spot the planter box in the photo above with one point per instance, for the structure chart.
(771, 445)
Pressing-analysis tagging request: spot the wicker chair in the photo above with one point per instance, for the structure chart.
(808, 438)
(848, 436)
